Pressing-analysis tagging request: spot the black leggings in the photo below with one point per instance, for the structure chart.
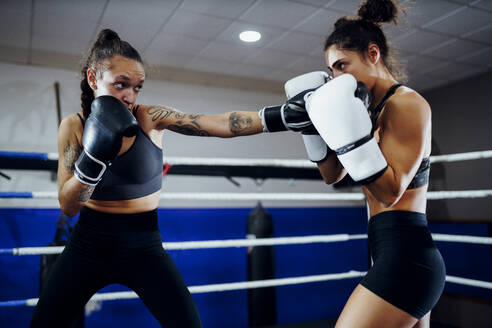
(115, 248)
(408, 269)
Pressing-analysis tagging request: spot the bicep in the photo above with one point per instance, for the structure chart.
(159, 117)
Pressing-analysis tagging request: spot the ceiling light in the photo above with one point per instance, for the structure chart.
(250, 36)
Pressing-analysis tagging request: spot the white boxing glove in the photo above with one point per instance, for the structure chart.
(343, 122)
(292, 115)
(303, 86)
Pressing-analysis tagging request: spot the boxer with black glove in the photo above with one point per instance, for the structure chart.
(104, 130)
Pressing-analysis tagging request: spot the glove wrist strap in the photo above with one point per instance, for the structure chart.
(272, 119)
(88, 169)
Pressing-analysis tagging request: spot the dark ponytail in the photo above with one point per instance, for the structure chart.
(107, 45)
(357, 34)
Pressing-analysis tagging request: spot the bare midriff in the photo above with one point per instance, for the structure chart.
(413, 200)
(130, 206)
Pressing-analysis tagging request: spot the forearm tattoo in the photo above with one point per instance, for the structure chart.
(85, 193)
(183, 123)
(70, 153)
(238, 122)
(192, 129)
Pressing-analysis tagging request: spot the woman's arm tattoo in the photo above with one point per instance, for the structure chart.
(238, 122)
(182, 123)
(188, 125)
(85, 193)
(160, 112)
(70, 153)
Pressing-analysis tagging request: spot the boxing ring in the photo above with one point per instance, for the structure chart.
(248, 243)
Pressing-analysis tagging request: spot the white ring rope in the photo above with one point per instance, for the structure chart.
(332, 196)
(267, 283)
(461, 156)
(293, 163)
(204, 244)
(462, 239)
(230, 286)
(469, 282)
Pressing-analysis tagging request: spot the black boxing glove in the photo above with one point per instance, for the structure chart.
(104, 130)
(292, 115)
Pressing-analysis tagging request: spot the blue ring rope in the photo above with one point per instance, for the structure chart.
(13, 194)
(13, 303)
(14, 154)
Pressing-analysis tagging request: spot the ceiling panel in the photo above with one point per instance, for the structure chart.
(278, 13)
(271, 58)
(422, 64)
(454, 49)
(418, 41)
(75, 31)
(452, 72)
(166, 59)
(423, 82)
(88, 10)
(295, 42)
(196, 25)
(462, 21)
(137, 22)
(308, 64)
(483, 4)
(222, 8)
(231, 33)
(177, 44)
(52, 43)
(422, 12)
(483, 34)
(435, 36)
(482, 57)
(348, 6)
(320, 22)
(227, 51)
(15, 27)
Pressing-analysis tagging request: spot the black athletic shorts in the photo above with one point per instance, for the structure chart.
(408, 269)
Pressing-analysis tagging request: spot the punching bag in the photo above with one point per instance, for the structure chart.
(63, 228)
(262, 305)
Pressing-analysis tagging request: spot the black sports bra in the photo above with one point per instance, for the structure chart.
(422, 176)
(134, 174)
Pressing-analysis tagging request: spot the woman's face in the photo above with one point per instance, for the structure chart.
(122, 78)
(347, 61)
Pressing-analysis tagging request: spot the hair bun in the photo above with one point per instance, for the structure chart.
(378, 11)
(107, 35)
(341, 22)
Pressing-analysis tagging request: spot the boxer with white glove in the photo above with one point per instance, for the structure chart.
(343, 122)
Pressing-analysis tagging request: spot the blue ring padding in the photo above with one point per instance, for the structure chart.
(6, 251)
(14, 154)
(14, 303)
(7, 194)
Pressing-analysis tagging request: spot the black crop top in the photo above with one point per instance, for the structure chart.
(134, 174)
(422, 176)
